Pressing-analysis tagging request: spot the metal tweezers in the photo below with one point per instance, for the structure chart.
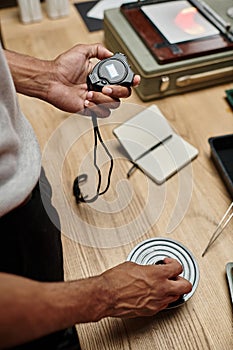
(222, 224)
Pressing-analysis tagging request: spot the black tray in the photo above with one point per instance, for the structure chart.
(222, 155)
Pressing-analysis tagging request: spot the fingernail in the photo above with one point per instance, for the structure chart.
(89, 95)
(107, 90)
(86, 103)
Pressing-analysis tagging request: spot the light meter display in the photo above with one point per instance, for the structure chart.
(114, 70)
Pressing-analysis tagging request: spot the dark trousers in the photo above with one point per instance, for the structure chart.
(30, 246)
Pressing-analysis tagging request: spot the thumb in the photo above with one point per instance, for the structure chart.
(99, 51)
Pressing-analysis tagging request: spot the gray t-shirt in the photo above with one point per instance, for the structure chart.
(20, 158)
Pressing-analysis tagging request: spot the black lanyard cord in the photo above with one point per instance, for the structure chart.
(81, 178)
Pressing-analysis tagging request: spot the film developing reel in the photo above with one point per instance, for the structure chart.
(153, 251)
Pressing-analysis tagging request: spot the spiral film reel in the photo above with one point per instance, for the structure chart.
(154, 250)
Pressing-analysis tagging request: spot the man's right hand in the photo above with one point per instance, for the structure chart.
(135, 290)
(127, 290)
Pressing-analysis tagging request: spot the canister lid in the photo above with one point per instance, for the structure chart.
(154, 250)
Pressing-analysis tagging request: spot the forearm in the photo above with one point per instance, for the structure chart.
(31, 309)
(31, 75)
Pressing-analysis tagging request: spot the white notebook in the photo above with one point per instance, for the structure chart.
(153, 146)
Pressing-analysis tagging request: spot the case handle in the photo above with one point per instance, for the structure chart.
(202, 77)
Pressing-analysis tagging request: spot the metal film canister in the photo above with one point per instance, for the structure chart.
(154, 250)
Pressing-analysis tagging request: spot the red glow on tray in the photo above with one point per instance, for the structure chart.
(186, 21)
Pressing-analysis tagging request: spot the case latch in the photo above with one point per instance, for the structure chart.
(164, 84)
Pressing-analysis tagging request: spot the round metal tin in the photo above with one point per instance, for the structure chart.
(154, 250)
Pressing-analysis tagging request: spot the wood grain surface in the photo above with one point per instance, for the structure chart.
(186, 208)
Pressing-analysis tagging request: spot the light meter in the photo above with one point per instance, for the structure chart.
(114, 70)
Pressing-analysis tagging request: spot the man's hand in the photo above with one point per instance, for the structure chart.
(68, 88)
(127, 290)
(137, 290)
(62, 81)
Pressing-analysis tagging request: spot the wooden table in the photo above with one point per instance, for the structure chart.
(205, 321)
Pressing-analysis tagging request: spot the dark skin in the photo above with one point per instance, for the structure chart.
(62, 81)
(127, 290)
